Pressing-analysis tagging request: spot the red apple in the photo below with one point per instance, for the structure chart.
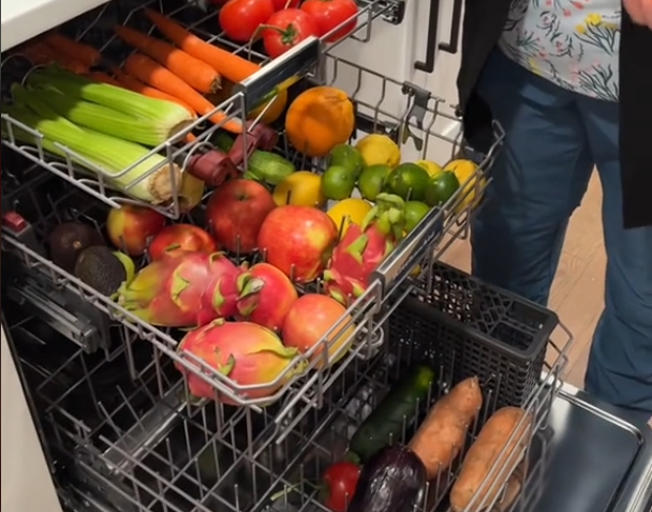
(131, 227)
(235, 213)
(298, 240)
(271, 304)
(309, 320)
(180, 237)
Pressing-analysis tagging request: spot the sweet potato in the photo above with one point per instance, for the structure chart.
(492, 449)
(441, 436)
(512, 489)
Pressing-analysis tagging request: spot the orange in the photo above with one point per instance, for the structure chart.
(318, 120)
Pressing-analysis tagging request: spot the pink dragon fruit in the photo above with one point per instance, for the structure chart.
(363, 249)
(187, 289)
(247, 353)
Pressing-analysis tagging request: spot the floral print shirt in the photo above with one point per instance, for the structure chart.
(573, 43)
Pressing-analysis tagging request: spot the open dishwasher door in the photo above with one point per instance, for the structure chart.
(26, 482)
(600, 458)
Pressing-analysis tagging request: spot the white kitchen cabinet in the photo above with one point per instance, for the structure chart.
(446, 59)
(26, 481)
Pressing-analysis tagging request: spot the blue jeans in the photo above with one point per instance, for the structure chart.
(554, 138)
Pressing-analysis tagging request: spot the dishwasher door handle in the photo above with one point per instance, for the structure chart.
(428, 65)
(452, 45)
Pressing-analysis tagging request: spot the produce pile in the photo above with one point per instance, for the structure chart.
(81, 100)
(443, 452)
(267, 227)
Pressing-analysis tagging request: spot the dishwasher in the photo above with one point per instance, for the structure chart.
(115, 418)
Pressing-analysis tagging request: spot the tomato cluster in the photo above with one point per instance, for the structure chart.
(282, 24)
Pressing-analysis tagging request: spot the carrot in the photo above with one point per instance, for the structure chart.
(230, 66)
(146, 70)
(84, 53)
(43, 54)
(129, 82)
(193, 71)
(104, 78)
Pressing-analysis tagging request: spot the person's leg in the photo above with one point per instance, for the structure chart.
(620, 362)
(539, 178)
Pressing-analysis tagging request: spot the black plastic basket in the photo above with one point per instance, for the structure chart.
(475, 329)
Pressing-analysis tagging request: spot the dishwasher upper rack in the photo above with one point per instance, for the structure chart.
(95, 28)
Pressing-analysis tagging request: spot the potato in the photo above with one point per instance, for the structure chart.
(491, 449)
(441, 436)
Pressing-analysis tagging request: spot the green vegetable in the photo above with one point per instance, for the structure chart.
(388, 420)
(269, 167)
(109, 109)
(261, 165)
(111, 154)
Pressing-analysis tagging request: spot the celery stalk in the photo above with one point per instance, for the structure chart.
(110, 154)
(88, 103)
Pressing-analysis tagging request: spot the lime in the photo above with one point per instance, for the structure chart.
(349, 211)
(441, 188)
(431, 167)
(408, 181)
(379, 149)
(349, 157)
(337, 182)
(415, 211)
(301, 188)
(372, 180)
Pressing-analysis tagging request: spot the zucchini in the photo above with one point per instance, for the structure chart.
(385, 424)
(262, 165)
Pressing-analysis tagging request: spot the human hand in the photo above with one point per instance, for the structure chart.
(640, 11)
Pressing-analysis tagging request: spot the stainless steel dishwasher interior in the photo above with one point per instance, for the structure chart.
(599, 461)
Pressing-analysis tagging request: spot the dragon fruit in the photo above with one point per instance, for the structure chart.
(187, 289)
(246, 353)
(363, 249)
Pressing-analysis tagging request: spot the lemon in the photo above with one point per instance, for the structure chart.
(464, 170)
(377, 149)
(349, 211)
(431, 167)
(302, 188)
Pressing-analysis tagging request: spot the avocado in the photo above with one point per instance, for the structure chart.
(101, 269)
(68, 240)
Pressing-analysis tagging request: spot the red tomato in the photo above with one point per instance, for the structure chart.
(329, 14)
(240, 19)
(286, 29)
(340, 481)
(286, 4)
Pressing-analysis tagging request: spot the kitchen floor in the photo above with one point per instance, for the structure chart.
(577, 293)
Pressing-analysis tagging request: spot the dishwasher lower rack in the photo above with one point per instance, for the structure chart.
(134, 442)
